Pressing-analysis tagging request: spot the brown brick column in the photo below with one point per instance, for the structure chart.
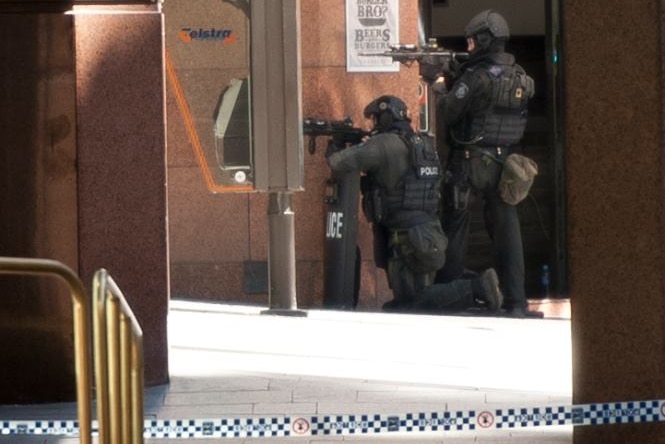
(614, 160)
(122, 166)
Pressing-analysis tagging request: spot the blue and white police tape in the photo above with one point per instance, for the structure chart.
(631, 412)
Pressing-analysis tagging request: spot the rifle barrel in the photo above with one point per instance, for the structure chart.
(414, 54)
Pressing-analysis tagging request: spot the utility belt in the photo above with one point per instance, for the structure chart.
(517, 172)
(496, 153)
(478, 147)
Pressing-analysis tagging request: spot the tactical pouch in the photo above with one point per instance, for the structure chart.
(372, 205)
(457, 191)
(429, 247)
(516, 178)
(422, 185)
(461, 194)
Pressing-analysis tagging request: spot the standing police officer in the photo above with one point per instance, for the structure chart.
(401, 197)
(485, 114)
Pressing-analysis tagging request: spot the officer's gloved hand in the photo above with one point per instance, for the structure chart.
(439, 86)
(454, 69)
(333, 147)
(430, 68)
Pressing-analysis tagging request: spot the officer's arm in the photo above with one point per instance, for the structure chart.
(456, 103)
(363, 157)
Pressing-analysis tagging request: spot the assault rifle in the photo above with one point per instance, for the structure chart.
(342, 132)
(434, 61)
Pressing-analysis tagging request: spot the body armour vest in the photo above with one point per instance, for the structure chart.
(504, 121)
(418, 192)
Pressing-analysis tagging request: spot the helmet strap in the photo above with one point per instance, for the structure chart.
(483, 40)
(385, 120)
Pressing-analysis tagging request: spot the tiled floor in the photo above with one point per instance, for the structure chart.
(235, 362)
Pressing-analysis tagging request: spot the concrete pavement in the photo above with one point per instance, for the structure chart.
(235, 362)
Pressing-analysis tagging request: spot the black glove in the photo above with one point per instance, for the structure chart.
(333, 147)
(440, 87)
(454, 69)
(430, 68)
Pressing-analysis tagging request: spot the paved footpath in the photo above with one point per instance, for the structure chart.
(346, 373)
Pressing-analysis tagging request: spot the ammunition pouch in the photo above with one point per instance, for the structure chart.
(372, 205)
(422, 247)
(457, 190)
(461, 192)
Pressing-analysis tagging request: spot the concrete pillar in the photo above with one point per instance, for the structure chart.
(122, 166)
(616, 208)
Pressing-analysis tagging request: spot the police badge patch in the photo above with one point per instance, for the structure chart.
(461, 90)
(495, 71)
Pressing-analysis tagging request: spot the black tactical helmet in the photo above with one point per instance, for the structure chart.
(387, 104)
(486, 27)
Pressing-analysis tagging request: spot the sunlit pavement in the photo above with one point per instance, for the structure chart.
(236, 361)
(332, 362)
(468, 352)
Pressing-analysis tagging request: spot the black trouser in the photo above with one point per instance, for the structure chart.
(411, 273)
(480, 176)
(415, 291)
(449, 297)
(407, 280)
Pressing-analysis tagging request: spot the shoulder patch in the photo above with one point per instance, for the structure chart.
(495, 71)
(461, 90)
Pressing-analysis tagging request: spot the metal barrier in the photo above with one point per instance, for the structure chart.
(118, 364)
(81, 309)
(118, 352)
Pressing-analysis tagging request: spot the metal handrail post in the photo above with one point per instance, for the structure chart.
(101, 356)
(81, 313)
(120, 369)
(114, 395)
(137, 384)
(125, 377)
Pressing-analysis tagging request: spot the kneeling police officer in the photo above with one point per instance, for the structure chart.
(401, 198)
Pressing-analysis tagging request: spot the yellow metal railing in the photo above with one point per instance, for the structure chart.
(81, 308)
(118, 364)
(118, 352)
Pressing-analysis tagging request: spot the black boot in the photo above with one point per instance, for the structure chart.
(486, 290)
(398, 306)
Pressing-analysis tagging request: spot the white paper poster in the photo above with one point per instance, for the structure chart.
(371, 27)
